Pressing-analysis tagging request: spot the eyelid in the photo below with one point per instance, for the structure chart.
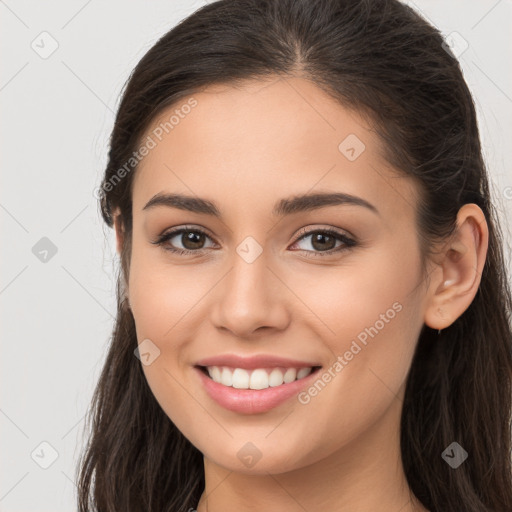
(348, 240)
(167, 234)
(303, 231)
(308, 230)
(175, 230)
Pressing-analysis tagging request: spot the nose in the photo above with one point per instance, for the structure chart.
(250, 298)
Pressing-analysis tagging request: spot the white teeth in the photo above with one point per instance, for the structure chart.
(240, 378)
(303, 372)
(226, 377)
(290, 375)
(275, 378)
(215, 373)
(260, 378)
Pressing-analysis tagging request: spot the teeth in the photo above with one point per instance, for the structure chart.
(226, 377)
(240, 379)
(303, 372)
(275, 378)
(290, 375)
(260, 378)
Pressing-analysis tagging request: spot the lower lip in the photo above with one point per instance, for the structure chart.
(251, 401)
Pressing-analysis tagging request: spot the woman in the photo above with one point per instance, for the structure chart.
(253, 369)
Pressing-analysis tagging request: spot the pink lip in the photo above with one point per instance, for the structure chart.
(253, 362)
(252, 401)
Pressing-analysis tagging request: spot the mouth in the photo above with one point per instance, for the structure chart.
(258, 378)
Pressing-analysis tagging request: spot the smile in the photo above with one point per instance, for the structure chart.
(259, 378)
(272, 388)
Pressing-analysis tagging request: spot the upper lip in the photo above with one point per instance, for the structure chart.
(253, 362)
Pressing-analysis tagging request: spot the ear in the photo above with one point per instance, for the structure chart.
(119, 229)
(459, 269)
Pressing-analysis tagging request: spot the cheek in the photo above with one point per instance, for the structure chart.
(383, 281)
(166, 304)
(162, 293)
(373, 345)
(373, 314)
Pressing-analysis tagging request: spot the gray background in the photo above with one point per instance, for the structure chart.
(57, 113)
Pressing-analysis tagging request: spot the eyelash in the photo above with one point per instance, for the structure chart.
(348, 242)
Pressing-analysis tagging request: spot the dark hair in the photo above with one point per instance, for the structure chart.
(382, 59)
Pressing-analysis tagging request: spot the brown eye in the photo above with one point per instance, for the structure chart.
(323, 242)
(192, 240)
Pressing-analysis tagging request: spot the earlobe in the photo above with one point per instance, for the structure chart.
(461, 269)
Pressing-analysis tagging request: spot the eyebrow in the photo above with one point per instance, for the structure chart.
(289, 206)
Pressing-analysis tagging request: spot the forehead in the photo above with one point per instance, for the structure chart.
(271, 139)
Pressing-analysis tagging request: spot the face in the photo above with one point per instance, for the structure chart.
(327, 282)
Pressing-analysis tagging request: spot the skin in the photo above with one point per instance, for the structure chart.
(245, 148)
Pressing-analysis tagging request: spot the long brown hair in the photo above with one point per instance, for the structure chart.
(381, 58)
